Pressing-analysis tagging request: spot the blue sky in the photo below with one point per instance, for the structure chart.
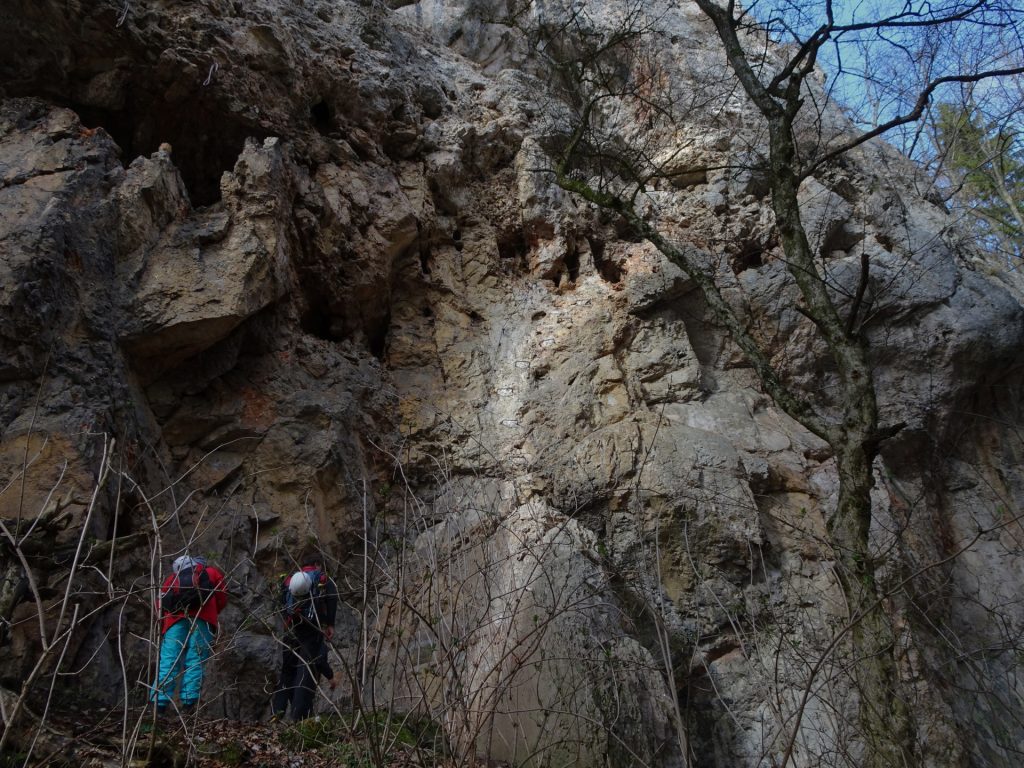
(876, 73)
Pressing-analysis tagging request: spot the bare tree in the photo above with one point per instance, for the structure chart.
(774, 51)
(495, 618)
(62, 581)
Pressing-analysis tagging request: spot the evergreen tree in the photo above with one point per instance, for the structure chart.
(984, 164)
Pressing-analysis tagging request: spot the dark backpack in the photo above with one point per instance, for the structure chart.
(188, 591)
(309, 608)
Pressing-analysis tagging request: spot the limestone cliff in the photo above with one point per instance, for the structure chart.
(346, 305)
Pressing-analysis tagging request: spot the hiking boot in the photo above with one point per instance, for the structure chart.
(188, 707)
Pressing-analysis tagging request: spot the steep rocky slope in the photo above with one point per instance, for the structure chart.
(346, 305)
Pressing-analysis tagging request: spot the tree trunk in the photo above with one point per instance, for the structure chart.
(885, 722)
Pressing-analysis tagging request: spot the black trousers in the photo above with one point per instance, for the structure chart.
(300, 665)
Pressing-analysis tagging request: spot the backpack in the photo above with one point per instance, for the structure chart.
(190, 589)
(308, 608)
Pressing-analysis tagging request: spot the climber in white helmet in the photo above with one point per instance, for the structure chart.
(309, 605)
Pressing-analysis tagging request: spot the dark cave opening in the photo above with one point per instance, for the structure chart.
(120, 521)
(609, 271)
(203, 143)
(320, 113)
(316, 321)
(512, 248)
(572, 264)
(748, 258)
(377, 336)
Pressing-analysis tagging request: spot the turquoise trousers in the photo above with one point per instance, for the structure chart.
(183, 654)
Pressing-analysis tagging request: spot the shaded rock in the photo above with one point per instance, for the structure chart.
(206, 273)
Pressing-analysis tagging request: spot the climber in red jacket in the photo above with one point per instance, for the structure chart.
(190, 600)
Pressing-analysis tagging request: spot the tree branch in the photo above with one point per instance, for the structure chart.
(911, 116)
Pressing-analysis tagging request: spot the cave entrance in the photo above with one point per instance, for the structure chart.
(204, 144)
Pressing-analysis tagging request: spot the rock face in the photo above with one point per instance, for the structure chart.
(346, 307)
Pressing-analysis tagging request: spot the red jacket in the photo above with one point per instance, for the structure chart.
(211, 608)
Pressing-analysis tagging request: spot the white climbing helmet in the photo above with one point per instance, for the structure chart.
(300, 583)
(187, 561)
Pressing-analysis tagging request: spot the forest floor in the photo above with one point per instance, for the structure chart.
(74, 740)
